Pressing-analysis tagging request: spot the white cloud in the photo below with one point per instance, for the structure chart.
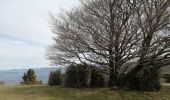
(18, 54)
(24, 31)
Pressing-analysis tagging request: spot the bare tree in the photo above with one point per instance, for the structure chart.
(112, 33)
(102, 32)
(154, 22)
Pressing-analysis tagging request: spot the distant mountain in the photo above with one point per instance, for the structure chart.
(15, 76)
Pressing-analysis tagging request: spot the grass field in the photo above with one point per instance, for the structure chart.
(59, 93)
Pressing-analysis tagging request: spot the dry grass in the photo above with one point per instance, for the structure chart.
(59, 93)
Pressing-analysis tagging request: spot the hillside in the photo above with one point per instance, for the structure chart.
(15, 76)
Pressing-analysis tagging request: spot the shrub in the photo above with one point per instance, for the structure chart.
(76, 76)
(55, 78)
(147, 79)
(82, 76)
(97, 79)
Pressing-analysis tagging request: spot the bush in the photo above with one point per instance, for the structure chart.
(97, 79)
(30, 78)
(55, 78)
(146, 79)
(76, 76)
(82, 76)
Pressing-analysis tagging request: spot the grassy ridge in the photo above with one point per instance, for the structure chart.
(58, 93)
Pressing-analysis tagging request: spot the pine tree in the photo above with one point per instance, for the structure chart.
(29, 77)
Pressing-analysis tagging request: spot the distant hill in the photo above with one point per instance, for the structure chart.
(15, 76)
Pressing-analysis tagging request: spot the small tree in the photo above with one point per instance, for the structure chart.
(29, 77)
(55, 78)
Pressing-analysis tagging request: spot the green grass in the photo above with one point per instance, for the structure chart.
(59, 93)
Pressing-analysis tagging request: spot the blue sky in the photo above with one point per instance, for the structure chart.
(25, 32)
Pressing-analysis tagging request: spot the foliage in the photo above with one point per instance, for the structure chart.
(55, 78)
(147, 79)
(30, 78)
(82, 76)
(76, 76)
(97, 80)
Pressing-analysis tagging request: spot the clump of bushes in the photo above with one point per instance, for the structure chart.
(29, 78)
(55, 78)
(96, 79)
(147, 79)
(77, 76)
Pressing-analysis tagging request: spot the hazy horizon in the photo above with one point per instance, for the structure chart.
(25, 31)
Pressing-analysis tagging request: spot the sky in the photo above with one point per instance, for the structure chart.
(25, 31)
